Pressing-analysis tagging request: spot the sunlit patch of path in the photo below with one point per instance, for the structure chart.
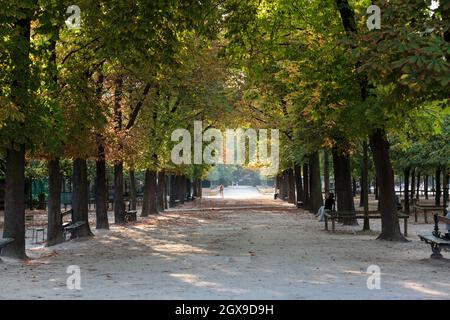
(241, 192)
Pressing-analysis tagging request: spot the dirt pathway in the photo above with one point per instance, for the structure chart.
(248, 252)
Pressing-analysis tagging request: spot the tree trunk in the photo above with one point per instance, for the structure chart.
(418, 185)
(182, 186)
(161, 186)
(195, 188)
(306, 185)
(29, 193)
(376, 189)
(119, 205)
(361, 198)
(172, 191)
(365, 185)
(133, 191)
(298, 184)
(200, 188)
(80, 197)
(283, 185)
(437, 197)
(406, 173)
(188, 189)
(344, 192)
(291, 185)
(390, 227)
(380, 149)
(413, 184)
(316, 200)
(14, 219)
(278, 185)
(149, 201)
(177, 188)
(101, 191)
(54, 229)
(446, 177)
(326, 170)
(425, 186)
(285, 182)
(14, 215)
(166, 191)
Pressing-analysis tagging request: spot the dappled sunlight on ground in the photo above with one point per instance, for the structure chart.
(237, 251)
(421, 288)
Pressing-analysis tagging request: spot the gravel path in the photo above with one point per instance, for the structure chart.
(244, 253)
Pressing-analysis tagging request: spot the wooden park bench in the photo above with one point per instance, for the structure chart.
(436, 239)
(338, 215)
(425, 210)
(130, 216)
(4, 242)
(70, 227)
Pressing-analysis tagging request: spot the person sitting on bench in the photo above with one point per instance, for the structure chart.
(329, 205)
(447, 225)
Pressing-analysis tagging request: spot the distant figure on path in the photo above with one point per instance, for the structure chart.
(221, 190)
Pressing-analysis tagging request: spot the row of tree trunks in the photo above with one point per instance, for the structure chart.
(181, 189)
(303, 190)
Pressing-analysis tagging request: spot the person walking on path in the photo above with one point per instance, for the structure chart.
(221, 190)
